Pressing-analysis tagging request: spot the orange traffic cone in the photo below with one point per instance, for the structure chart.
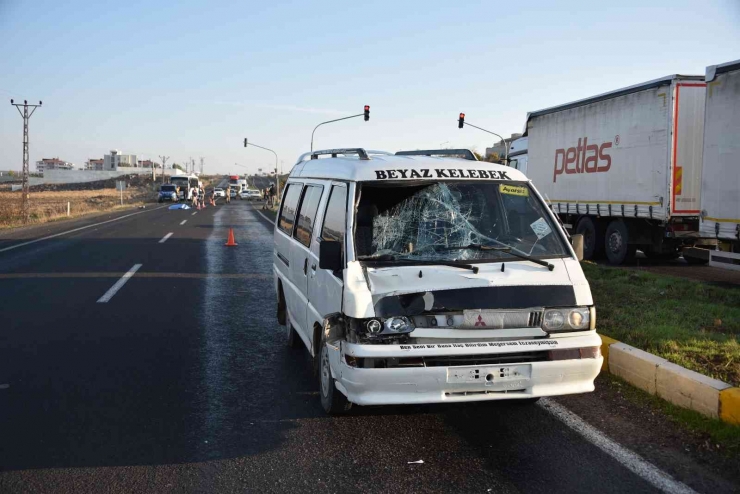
(230, 242)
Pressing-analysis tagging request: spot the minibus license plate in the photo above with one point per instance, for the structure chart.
(488, 374)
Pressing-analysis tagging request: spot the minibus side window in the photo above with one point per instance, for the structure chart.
(335, 218)
(307, 214)
(290, 203)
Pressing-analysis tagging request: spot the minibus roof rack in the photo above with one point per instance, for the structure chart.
(334, 152)
(459, 153)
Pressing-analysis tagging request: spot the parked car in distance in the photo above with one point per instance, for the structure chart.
(232, 193)
(219, 192)
(167, 192)
(251, 194)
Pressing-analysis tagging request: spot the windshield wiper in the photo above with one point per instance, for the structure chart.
(411, 262)
(507, 250)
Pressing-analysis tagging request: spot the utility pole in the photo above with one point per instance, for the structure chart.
(277, 177)
(201, 165)
(164, 160)
(365, 113)
(461, 121)
(25, 206)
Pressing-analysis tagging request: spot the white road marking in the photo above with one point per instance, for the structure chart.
(119, 284)
(194, 213)
(630, 460)
(75, 230)
(258, 212)
(164, 239)
(183, 222)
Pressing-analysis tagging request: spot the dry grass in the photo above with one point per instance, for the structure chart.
(52, 206)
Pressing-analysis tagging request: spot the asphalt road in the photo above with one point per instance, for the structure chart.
(181, 382)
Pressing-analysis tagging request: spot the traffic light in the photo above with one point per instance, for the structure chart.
(461, 121)
(367, 113)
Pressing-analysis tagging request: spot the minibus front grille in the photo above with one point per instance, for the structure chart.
(535, 319)
(495, 359)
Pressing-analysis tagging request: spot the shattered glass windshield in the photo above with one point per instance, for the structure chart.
(453, 221)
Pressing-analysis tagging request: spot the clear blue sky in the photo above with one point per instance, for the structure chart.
(195, 78)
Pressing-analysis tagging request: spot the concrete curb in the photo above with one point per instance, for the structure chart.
(673, 383)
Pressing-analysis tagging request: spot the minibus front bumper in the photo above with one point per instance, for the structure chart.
(421, 374)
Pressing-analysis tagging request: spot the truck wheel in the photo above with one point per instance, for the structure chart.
(593, 238)
(618, 249)
(333, 401)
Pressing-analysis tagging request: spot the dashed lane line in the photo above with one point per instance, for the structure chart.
(118, 285)
(75, 230)
(630, 460)
(183, 222)
(194, 213)
(164, 239)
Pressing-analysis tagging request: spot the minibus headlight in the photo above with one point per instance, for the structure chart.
(563, 320)
(397, 325)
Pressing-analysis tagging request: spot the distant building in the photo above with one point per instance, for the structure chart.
(498, 151)
(93, 164)
(115, 159)
(147, 164)
(53, 164)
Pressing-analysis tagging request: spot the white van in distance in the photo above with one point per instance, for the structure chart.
(412, 278)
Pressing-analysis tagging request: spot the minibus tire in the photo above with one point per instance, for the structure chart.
(333, 401)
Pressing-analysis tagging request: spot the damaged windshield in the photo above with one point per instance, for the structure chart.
(453, 221)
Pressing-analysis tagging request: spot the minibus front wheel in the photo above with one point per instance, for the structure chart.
(333, 401)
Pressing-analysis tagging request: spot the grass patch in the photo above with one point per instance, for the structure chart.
(712, 431)
(52, 205)
(689, 323)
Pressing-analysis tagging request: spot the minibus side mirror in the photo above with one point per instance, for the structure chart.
(577, 241)
(330, 255)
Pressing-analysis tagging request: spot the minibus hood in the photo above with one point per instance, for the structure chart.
(517, 283)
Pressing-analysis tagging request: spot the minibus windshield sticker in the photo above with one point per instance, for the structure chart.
(488, 344)
(396, 173)
(514, 190)
(541, 228)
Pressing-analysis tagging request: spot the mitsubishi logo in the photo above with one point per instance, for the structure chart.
(479, 322)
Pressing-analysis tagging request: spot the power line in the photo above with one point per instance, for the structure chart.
(25, 206)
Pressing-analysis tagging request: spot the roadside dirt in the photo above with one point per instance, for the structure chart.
(682, 269)
(643, 428)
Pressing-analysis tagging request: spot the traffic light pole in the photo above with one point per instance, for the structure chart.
(506, 144)
(365, 114)
(25, 205)
(277, 176)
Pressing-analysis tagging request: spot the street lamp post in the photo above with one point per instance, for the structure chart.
(277, 177)
(365, 113)
(461, 121)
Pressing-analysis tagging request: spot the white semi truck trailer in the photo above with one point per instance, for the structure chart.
(720, 186)
(622, 168)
